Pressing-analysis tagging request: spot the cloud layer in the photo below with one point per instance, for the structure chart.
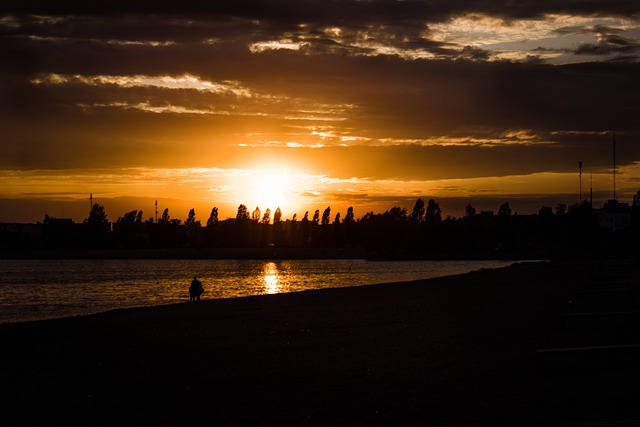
(410, 91)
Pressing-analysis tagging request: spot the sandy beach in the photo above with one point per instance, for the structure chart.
(532, 344)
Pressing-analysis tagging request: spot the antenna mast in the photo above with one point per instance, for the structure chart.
(614, 166)
(156, 211)
(591, 190)
(580, 168)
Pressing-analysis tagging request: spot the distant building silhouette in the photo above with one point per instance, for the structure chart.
(614, 216)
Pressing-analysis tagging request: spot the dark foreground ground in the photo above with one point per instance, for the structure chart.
(476, 349)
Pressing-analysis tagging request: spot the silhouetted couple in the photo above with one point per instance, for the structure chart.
(195, 290)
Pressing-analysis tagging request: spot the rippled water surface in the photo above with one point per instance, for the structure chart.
(42, 289)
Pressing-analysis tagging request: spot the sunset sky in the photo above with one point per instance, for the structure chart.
(308, 104)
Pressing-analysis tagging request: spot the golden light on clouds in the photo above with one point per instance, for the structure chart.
(185, 81)
(552, 37)
(285, 44)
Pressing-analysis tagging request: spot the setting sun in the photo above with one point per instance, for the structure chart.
(271, 191)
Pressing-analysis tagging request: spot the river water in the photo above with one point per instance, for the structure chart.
(45, 289)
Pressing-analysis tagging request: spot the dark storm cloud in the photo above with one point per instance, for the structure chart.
(402, 21)
(323, 10)
(53, 35)
(413, 100)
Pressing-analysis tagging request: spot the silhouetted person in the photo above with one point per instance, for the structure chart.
(195, 290)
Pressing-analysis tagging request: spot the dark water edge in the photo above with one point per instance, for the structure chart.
(192, 253)
(271, 253)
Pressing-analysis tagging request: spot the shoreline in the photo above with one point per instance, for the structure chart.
(191, 253)
(276, 253)
(454, 350)
(53, 309)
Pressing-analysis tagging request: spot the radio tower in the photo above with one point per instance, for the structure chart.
(614, 166)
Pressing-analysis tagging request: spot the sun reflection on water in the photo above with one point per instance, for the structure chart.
(271, 278)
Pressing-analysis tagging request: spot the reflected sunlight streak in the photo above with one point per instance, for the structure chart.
(271, 278)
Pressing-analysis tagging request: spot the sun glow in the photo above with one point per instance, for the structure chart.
(271, 191)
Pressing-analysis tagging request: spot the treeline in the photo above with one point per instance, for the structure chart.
(419, 233)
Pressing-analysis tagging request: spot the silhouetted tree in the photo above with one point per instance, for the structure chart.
(279, 236)
(504, 209)
(193, 237)
(242, 230)
(97, 227)
(277, 216)
(304, 235)
(165, 218)
(213, 233)
(339, 231)
(545, 212)
(350, 227)
(213, 217)
(126, 227)
(316, 217)
(469, 211)
(326, 216)
(293, 232)
(396, 213)
(418, 212)
(97, 215)
(367, 216)
(433, 213)
(504, 231)
(561, 209)
(255, 216)
(266, 219)
(47, 219)
(265, 229)
(191, 220)
(384, 234)
(349, 217)
(243, 213)
(128, 218)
